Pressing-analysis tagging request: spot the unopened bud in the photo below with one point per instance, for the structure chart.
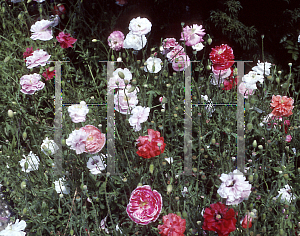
(23, 185)
(250, 178)
(209, 41)
(213, 141)
(131, 89)
(208, 67)
(151, 168)
(260, 147)
(278, 80)
(121, 75)
(254, 144)
(51, 68)
(290, 64)
(249, 126)
(94, 40)
(24, 135)
(169, 188)
(10, 113)
(140, 184)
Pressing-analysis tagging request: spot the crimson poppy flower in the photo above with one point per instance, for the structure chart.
(173, 225)
(247, 222)
(65, 40)
(59, 9)
(222, 57)
(48, 74)
(219, 219)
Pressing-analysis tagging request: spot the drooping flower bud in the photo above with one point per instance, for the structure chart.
(169, 188)
(10, 113)
(254, 144)
(121, 75)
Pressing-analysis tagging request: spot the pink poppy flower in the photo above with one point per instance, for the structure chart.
(282, 106)
(144, 205)
(234, 187)
(175, 52)
(95, 140)
(116, 40)
(139, 115)
(48, 74)
(181, 62)
(244, 91)
(222, 57)
(39, 58)
(167, 45)
(65, 40)
(40, 30)
(78, 112)
(125, 101)
(173, 225)
(288, 138)
(31, 83)
(192, 35)
(77, 140)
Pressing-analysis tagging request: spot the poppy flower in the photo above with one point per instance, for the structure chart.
(173, 225)
(59, 9)
(48, 74)
(65, 40)
(219, 219)
(150, 145)
(282, 106)
(222, 57)
(247, 222)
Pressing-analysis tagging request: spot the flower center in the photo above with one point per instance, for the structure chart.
(220, 51)
(126, 98)
(90, 138)
(142, 204)
(94, 162)
(231, 184)
(282, 101)
(218, 216)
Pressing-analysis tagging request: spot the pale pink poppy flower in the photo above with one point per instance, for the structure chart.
(192, 35)
(144, 205)
(221, 73)
(39, 57)
(139, 115)
(31, 83)
(40, 30)
(77, 140)
(168, 44)
(96, 164)
(140, 26)
(181, 62)
(116, 40)
(125, 101)
(245, 91)
(175, 52)
(78, 112)
(115, 82)
(234, 187)
(95, 140)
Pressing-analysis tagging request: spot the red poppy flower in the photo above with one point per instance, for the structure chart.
(150, 145)
(222, 57)
(218, 218)
(48, 74)
(59, 9)
(247, 222)
(27, 53)
(65, 40)
(173, 225)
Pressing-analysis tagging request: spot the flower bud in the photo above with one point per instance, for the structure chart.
(250, 178)
(247, 106)
(121, 75)
(151, 168)
(254, 144)
(94, 40)
(61, 195)
(209, 41)
(112, 57)
(169, 188)
(290, 64)
(24, 211)
(60, 210)
(249, 126)
(208, 67)
(24, 135)
(78, 198)
(184, 214)
(213, 141)
(255, 176)
(178, 213)
(140, 184)
(260, 147)
(26, 165)
(221, 85)
(10, 113)
(278, 80)
(164, 100)
(23, 185)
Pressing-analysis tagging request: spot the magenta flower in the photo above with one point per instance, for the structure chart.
(192, 35)
(28, 53)
(116, 40)
(65, 40)
(288, 138)
(31, 83)
(139, 115)
(234, 187)
(39, 57)
(40, 30)
(175, 52)
(144, 205)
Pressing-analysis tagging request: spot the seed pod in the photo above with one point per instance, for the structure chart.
(10, 113)
(7, 59)
(71, 231)
(278, 80)
(255, 176)
(260, 147)
(281, 232)
(209, 41)
(59, 210)
(24, 135)
(184, 214)
(213, 141)
(112, 57)
(3, 9)
(24, 211)
(264, 216)
(140, 184)
(249, 126)
(23, 185)
(250, 178)
(247, 106)
(151, 168)
(63, 142)
(208, 67)
(178, 213)
(131, 89)
(254, 144)
(169, 188)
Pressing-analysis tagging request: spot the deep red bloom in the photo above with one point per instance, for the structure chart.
(27, 53)
(48, 74)
(222, 57)
(65, 40)
(218, 218)
(59, 9)
(173, 225)
(245, 223)
(148, 145)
